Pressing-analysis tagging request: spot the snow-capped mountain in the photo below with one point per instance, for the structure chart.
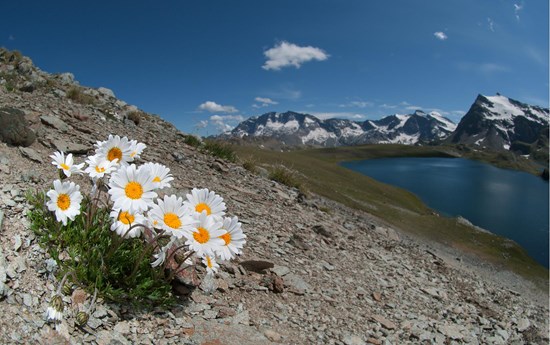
(303, 129)
(501, 123)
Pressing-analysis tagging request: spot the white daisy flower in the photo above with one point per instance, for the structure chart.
(205, 237)
(54, 312)
(204, 200)
(123, 220)
(115, 148)
(136, 148)
(211, 264)
(66, 164)
(98, 166)
(172, 216)
(234, 239)
(161, 174)
(131, 189)
(65, 200)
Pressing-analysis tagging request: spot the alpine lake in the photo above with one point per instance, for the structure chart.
(509, 203)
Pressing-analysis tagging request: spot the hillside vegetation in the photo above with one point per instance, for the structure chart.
(319, 172)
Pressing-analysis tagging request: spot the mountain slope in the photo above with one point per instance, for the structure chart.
(501, 123)
(338, 275)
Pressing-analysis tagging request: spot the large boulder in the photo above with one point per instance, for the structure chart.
(14, 128)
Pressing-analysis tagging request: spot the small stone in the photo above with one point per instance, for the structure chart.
(296, 284)
(208, 284)
(278, 284)
(18, 242)
(225, 312)
(374, 341)
(451, 331)
(353, 340)
(523, 324)
(377, 296)
(30, 154)
(27, 300)
(54, 122)
(258, 266)
(68, 147)
(272, 335)
(210, 314)
(322, 230)
(280, 270)
(122, 327)
(384, 322)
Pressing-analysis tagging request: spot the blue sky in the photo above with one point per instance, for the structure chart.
(206, 65)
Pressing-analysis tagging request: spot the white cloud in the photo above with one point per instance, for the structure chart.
(289, 54)
(440, 35)
(201, 124)
(225, 123)
(483, 68)
(517, 9)
(214, 107)
(356, 104)
(491, 24)
(264, 102)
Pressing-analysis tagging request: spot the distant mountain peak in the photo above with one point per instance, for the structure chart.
(298, 129)
(502, 123)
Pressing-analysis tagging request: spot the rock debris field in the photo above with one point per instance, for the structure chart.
(312, 271)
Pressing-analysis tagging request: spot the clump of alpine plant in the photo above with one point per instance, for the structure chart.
(120, 239)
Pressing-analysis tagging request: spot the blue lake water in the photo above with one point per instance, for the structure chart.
(509, 203)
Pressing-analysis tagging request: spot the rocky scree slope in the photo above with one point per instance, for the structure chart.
(312, 272)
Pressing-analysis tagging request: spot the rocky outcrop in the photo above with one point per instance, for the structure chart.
(312, 272)
(14, 128)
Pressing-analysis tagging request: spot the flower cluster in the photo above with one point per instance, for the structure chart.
(197, 223)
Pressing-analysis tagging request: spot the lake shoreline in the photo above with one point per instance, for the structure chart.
(481, 193)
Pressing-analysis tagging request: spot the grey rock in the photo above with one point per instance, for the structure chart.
(17, 242)
(14, 129)
(69, 147)
(66, 78)
(54, 122)
(208, 284)
(59, 93)
(27, 300)
(30, 154)
(122, 327)
(351, 339)
(106, 92)
(281, 271)
(296, 284)
(451, 331)
(523, 324)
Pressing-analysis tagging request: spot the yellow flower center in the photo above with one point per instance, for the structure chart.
(226, 237)
(172, 220)
(99, 169)
(208, 262)
(133, 190)
(64, 166)
(133, 154)
(156, 179)
(203, 207)
(126, 218)
(63, 201)
(201, 235)
(114, 153)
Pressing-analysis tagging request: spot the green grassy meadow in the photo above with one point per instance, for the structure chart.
(318, 171)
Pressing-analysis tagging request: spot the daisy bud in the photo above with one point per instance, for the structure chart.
(82, 318)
